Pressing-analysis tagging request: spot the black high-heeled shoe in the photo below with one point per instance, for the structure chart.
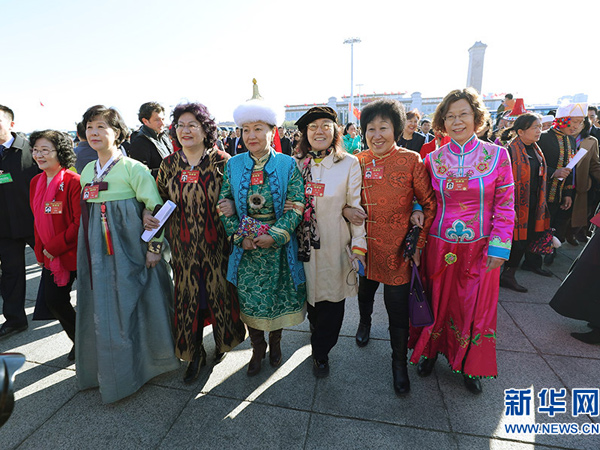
(473, 385)
(425, 366)
(363, 334)
(193, 369)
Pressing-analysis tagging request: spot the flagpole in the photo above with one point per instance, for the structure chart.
(359, 98)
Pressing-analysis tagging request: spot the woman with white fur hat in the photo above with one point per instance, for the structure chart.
(264, 262)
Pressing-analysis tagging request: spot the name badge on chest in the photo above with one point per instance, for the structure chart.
(53, 207)
(5, 178)
(315, 189)
(457, 183)
(91, 192)
(190, 176)
(375, 173)
(257, 178)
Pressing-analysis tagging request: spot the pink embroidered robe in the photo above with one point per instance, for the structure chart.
(469, 226)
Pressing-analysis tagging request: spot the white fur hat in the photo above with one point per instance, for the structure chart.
(256, 110)
(572, 110)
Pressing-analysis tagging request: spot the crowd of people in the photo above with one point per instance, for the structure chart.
(271, 225)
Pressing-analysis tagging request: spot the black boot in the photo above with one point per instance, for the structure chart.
(259, 348)
(193, 369)
(508, 280)
(363, 333)
(425, 366)
(592, 337)
(399, 341)
(275, 355)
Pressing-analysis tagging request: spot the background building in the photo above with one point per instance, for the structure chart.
(426, 106)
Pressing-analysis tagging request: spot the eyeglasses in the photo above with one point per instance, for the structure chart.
(327, 126)
(190, 126)
(41, 152)
(462, 117)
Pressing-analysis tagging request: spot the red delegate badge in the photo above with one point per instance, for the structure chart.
(457, 183)
(190, 176)
(374, 173)
(316, 189)
(53, 207)
(257, 178)
(90, 192)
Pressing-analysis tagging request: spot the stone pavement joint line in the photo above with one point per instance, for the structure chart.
(355, 407)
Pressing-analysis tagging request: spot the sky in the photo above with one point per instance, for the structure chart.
(69, 55)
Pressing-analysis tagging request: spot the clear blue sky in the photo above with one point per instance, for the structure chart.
(73, 54)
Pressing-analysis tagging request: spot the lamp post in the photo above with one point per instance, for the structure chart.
(352, 41)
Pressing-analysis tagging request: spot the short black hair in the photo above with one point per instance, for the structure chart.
(9, 112)
(148, 108)
(112, 117)
(62, 143)
(81, 132)
(593, 108)
(509, 96)
(385, 108)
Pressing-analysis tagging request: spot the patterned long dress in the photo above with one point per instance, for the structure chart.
(199, 253)
(474, 188)
(270, 297)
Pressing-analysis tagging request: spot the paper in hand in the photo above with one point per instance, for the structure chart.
(162, 215)
(580, 154)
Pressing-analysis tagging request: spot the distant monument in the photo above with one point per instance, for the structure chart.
(475, 74)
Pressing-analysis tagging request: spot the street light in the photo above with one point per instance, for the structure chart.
(352, 41)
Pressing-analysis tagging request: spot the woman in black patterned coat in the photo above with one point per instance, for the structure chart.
(192, 178)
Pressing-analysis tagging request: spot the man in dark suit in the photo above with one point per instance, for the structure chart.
(592, 113)
(17, 168)
(286, 144)
(151, 144)
(236, 144)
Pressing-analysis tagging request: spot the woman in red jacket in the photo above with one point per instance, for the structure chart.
(54, 197)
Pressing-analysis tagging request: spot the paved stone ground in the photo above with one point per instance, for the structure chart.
(288, 408)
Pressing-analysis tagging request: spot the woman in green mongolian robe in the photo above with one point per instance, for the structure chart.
(264, 265)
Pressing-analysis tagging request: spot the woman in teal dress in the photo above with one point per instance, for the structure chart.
(351, 139)
(264, 263)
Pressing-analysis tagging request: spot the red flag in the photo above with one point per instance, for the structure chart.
(277, 141)
(41, 103)
(356, 113)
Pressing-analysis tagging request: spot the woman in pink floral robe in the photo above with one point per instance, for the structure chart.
(468, 241)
